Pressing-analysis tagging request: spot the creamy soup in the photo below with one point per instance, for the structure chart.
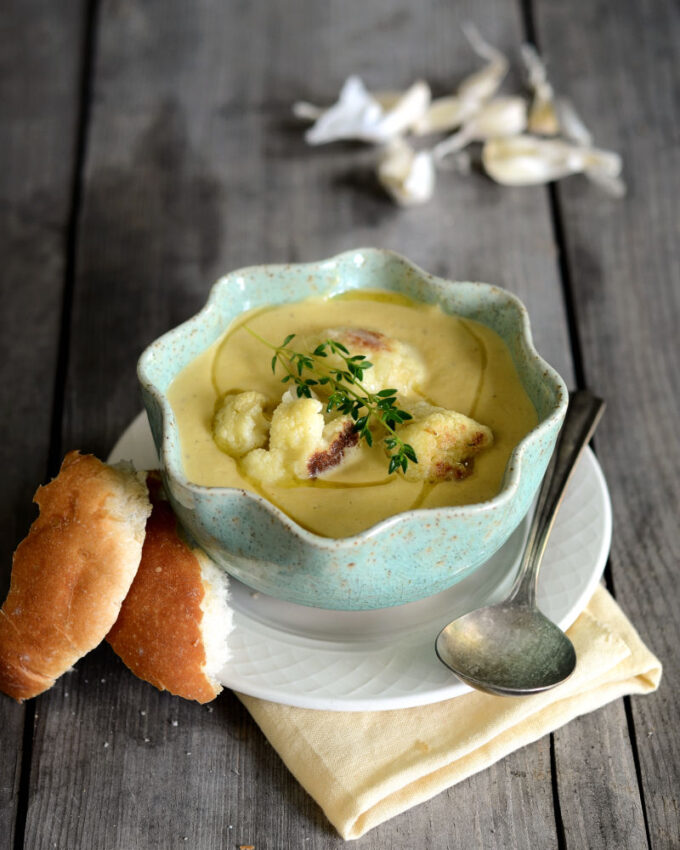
(469, 369)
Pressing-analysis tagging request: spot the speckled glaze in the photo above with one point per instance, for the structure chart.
(404, 558)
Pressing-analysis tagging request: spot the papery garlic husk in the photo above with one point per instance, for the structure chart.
(361, 116)
(407, 176)
(307, 111)
(448, 113)
(571, 125)
(500, 117)
(531, 160)
(405, 111)
(482, 84)
(543, 118)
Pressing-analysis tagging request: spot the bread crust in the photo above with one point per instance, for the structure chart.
(71, 572)
(158, 633)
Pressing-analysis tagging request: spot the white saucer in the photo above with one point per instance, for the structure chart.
(375, 660)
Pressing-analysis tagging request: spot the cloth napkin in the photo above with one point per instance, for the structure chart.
(363, 768)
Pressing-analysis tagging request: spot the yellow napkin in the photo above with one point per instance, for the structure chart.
(363, 768)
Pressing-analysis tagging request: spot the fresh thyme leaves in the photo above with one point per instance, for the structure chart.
(347, 395)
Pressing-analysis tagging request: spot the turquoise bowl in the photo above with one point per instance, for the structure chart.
(403, 558)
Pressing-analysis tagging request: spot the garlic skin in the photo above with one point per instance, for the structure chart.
(448, 113)
(500, 117)
(361, 116)
(530, 160)
(483, 84)
(543, 117)
(571, 125)
(407, 176)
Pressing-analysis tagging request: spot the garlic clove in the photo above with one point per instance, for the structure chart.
(543, 118)
(443, 114)
(530, 160)
(500, 117)
(407, 176)
(482, 84)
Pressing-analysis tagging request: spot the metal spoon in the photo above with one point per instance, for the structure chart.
(511, 648)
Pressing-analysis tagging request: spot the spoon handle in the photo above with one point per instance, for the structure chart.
(583, 414)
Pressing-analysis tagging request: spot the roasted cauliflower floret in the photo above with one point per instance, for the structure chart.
(240, 424)
(301, 443)
(396, 364)
(444, 441)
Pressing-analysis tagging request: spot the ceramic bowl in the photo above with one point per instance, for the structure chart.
(403, 558)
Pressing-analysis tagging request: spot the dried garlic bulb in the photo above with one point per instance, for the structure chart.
(407, 176)
(360, 115)
(500, 117)
(543, 118)
(530, 160)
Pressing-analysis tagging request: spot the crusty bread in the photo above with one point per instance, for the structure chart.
(71, 573)
(173, 626)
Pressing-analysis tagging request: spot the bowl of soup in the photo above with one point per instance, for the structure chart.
(268, 412)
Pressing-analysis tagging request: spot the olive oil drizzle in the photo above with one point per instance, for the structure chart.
(235, 326)
(484, 360)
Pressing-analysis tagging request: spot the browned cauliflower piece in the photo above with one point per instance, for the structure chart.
(445, 443)
(396, 364)
(301, 443)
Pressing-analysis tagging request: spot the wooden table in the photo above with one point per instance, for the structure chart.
(148, 147)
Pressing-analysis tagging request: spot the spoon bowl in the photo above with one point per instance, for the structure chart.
(537, 657)
(511, 648)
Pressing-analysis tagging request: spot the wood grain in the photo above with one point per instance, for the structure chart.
(39, 66)
(195, 172)
(625, 273)
(194, 167)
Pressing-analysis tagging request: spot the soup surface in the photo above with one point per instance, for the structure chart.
(469, 369)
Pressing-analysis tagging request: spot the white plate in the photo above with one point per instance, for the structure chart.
(375, 660)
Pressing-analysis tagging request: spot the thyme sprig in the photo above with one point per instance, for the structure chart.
(348, 395)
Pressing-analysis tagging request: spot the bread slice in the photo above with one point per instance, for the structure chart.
(173, 626)
(71, 573)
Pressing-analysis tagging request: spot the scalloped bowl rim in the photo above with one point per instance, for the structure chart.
(514, 463)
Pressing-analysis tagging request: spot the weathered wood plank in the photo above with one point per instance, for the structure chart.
(39, 64)
(193, 168)
(617, 62)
